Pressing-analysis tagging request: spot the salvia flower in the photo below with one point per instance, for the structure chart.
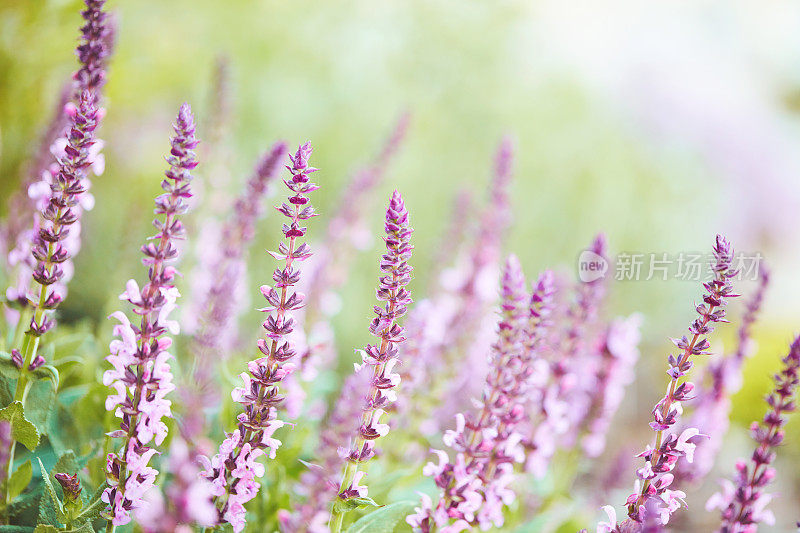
(328, 269)
(721, 379)
(97, 37)
(57, 216)
(476, 485)
(655, 477)
(743, 502)
(70, 484)
(141, 377)
(383, 356)
(216, 334)
(25, 220)
(234, 470)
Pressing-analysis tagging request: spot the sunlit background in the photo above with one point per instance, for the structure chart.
(658, 124)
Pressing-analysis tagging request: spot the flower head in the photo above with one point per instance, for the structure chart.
(141, 377)
(661, 458)
(743, 502)
(235, 469)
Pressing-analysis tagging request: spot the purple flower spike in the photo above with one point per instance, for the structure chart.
(743, 502)
(97, 37)
(722, 378)
(49, 248)
(24, 220)
(217, 323)
(328, 271)
(141, 376)
(655, 477)
(476, 485)
(233, 471)
(381, 357)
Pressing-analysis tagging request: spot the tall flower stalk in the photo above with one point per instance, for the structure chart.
(233, 471)
(655, 476)
(217, 328)
(723, 378)
(474, 487)
(141, 376)
(49, 249)
(381, 357)
(346, 233)
(25, 219)
(743, 502)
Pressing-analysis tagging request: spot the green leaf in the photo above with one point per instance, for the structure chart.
(25, 509)
(353, 504)
(44, 528)
(93, 509)
(19, 480)
(384, 519)
(47, 514)
(86, 527)
(21, 428)
(66, 463)
(47, 372)
(41, 403)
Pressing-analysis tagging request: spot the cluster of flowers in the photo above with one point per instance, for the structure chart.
(233, 471)
(552, 369)
(141, 376)
(476, 485)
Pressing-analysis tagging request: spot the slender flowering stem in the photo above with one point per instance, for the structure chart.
(233, 471)
(397, 274)
(475, 487)
(25, 218)
(141, 376)
(331, 263)
(217, 330)
(660, 459)
(49, 250)
(711, 413)
(743, 504)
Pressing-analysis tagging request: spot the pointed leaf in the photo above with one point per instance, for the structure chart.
(58, 507)
(95, 506)
(352, 504)
(384, 519)
(19, 480)
(47, 372)
(21, 428)
(41, 403)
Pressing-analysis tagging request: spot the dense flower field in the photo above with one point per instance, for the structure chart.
(484, 397)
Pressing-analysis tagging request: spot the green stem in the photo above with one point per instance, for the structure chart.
(110, 527)
(337, 516)
(10, 466)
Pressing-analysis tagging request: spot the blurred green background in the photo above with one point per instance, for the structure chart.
(659, 125)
